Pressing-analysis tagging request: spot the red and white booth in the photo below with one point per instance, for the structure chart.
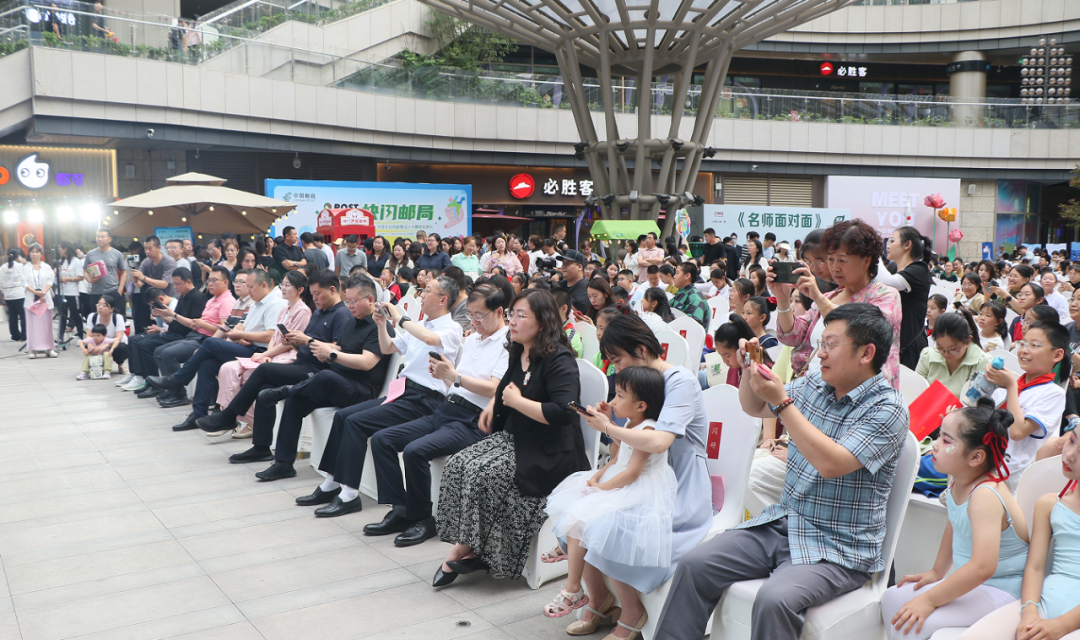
(338, 223)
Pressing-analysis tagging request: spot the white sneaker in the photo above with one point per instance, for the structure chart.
(33, 355)
(51, 353)
(138, 383)
(126, 379)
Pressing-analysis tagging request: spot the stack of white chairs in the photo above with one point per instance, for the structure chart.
(694, 334)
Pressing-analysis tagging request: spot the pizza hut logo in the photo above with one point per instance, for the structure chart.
(826, 68)
(522, 186)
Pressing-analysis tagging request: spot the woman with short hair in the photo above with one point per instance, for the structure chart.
(39, 310)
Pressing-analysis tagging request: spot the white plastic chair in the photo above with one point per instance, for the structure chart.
(594, 389)
(1010, 315)
(920, 533)
(590, 346)
(853, 615)
(694, 334)
(911, 384)
(738, 439)
(1012, 363)
(411, 307)
(718, 312)
(678, 314)
(674, 347)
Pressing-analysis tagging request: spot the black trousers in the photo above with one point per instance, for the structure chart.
(347, 445)
(85, 308)
(74, 319)
(140, 313)
(325, 389)
(268, 375)
(141, 347)
(120, 354)
(450, 429)
(16, 319)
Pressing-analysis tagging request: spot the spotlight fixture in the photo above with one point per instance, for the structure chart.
(608, 199)
(1047, 65)
(622, 145)
(708, 152)
(91, 213)
(633, 197)
(11, 216)
(676, 143)
(65, 214)
(35, 215)
(662, 198)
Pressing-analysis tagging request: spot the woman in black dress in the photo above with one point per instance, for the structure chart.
(493, 493)
(911, 252)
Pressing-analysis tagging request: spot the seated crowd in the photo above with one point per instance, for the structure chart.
(485, 377)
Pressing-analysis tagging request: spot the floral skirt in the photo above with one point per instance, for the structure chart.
(480, 505)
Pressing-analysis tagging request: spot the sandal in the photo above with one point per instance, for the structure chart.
(607, 614)
(565, 603)
(555, 555)
(635, 632)
(243, 430)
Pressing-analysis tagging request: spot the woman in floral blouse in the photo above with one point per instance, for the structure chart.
(853, 249)
(500, 257)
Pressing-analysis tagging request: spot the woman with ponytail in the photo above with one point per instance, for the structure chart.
(13, 286)
(986, 540)
(655, 309)
(956, 353)
(911, 252)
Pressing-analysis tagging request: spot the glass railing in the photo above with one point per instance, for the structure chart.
(25, 25)
(249, 18)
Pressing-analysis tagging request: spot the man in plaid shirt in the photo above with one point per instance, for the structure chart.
(847, 427)
(688, 299)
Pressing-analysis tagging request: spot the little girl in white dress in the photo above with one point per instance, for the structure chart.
(623, 512)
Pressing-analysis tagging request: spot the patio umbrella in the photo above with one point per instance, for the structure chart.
(198, 201)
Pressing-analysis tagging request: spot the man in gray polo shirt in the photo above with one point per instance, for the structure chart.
(115, 275)
(350, 256)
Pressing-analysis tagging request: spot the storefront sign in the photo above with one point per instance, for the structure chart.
(522, 186)
(398, 209)
(788, 223)
(53, 172)
(173, 233)
(988, 251)
(882, 202)
(843, 70)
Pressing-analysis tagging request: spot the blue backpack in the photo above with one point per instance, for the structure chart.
(929, 481)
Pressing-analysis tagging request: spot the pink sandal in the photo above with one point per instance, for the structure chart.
(565, 603)
(555, 555)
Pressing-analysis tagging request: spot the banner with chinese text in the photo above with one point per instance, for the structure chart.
(788, 223)
(399, 208)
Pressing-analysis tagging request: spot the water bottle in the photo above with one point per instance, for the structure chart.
(981, 386)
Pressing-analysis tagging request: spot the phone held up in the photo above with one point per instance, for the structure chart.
(784, 272)
(753, 354)
(576, 406)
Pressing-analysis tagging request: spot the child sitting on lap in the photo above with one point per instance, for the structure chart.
(96, 344)
(623, 512)
(986, 538)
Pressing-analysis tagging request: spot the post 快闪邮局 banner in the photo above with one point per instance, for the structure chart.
(398, 208)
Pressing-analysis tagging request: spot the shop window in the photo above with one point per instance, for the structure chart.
(776, 191)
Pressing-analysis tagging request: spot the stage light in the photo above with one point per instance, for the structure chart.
(211, 207)
(150, 212)
(91, 213)
(11, 216)
(35, 215)
(183, 219)
(65, 214)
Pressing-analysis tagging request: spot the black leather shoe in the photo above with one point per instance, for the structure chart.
(443, 578)
(468, 565)
(216, 422)
(165, 383)
(149, 392)
(339, 508)
(274, 396)
(173, 399)
(392, 523)
(254, 454)
(417, 533)
(188, 424)
(319, 497)
(277, 471)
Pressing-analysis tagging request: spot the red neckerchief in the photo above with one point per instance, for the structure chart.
(1022, 383)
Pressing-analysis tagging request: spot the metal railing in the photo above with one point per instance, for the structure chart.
(27, 24)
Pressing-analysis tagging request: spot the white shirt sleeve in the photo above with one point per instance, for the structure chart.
(896, 281)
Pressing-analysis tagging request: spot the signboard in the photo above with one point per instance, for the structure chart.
(881, 202)
(173, 233)
(988, 251)
(55, 172)
(788, 223)
(398, 208)
(1074, 251)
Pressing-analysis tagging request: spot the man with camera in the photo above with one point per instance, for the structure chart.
(573, 270)
(414, 394)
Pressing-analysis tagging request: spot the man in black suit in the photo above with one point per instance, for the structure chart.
(733, 260)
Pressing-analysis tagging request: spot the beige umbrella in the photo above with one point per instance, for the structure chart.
(198, 201)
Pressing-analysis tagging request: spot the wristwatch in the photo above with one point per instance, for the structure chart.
(457, 381)
(333, 356)
(404, 319)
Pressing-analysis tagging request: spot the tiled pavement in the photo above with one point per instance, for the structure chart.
(114, 527)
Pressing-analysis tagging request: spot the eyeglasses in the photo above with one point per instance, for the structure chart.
(520, 315)
(1024, 344)
(430, 292)
(352, 303)
(477, 318)
(825, 347)
(955, 351)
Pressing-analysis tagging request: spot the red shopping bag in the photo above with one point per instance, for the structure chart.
(929, 409)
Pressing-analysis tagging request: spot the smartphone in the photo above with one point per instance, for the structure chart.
(157, 304)
(576, 406)
(282, 329)
(435, 355)
(385, 313)
(753, 354)
(784, 272)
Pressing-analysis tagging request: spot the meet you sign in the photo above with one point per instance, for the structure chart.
(883, 203)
